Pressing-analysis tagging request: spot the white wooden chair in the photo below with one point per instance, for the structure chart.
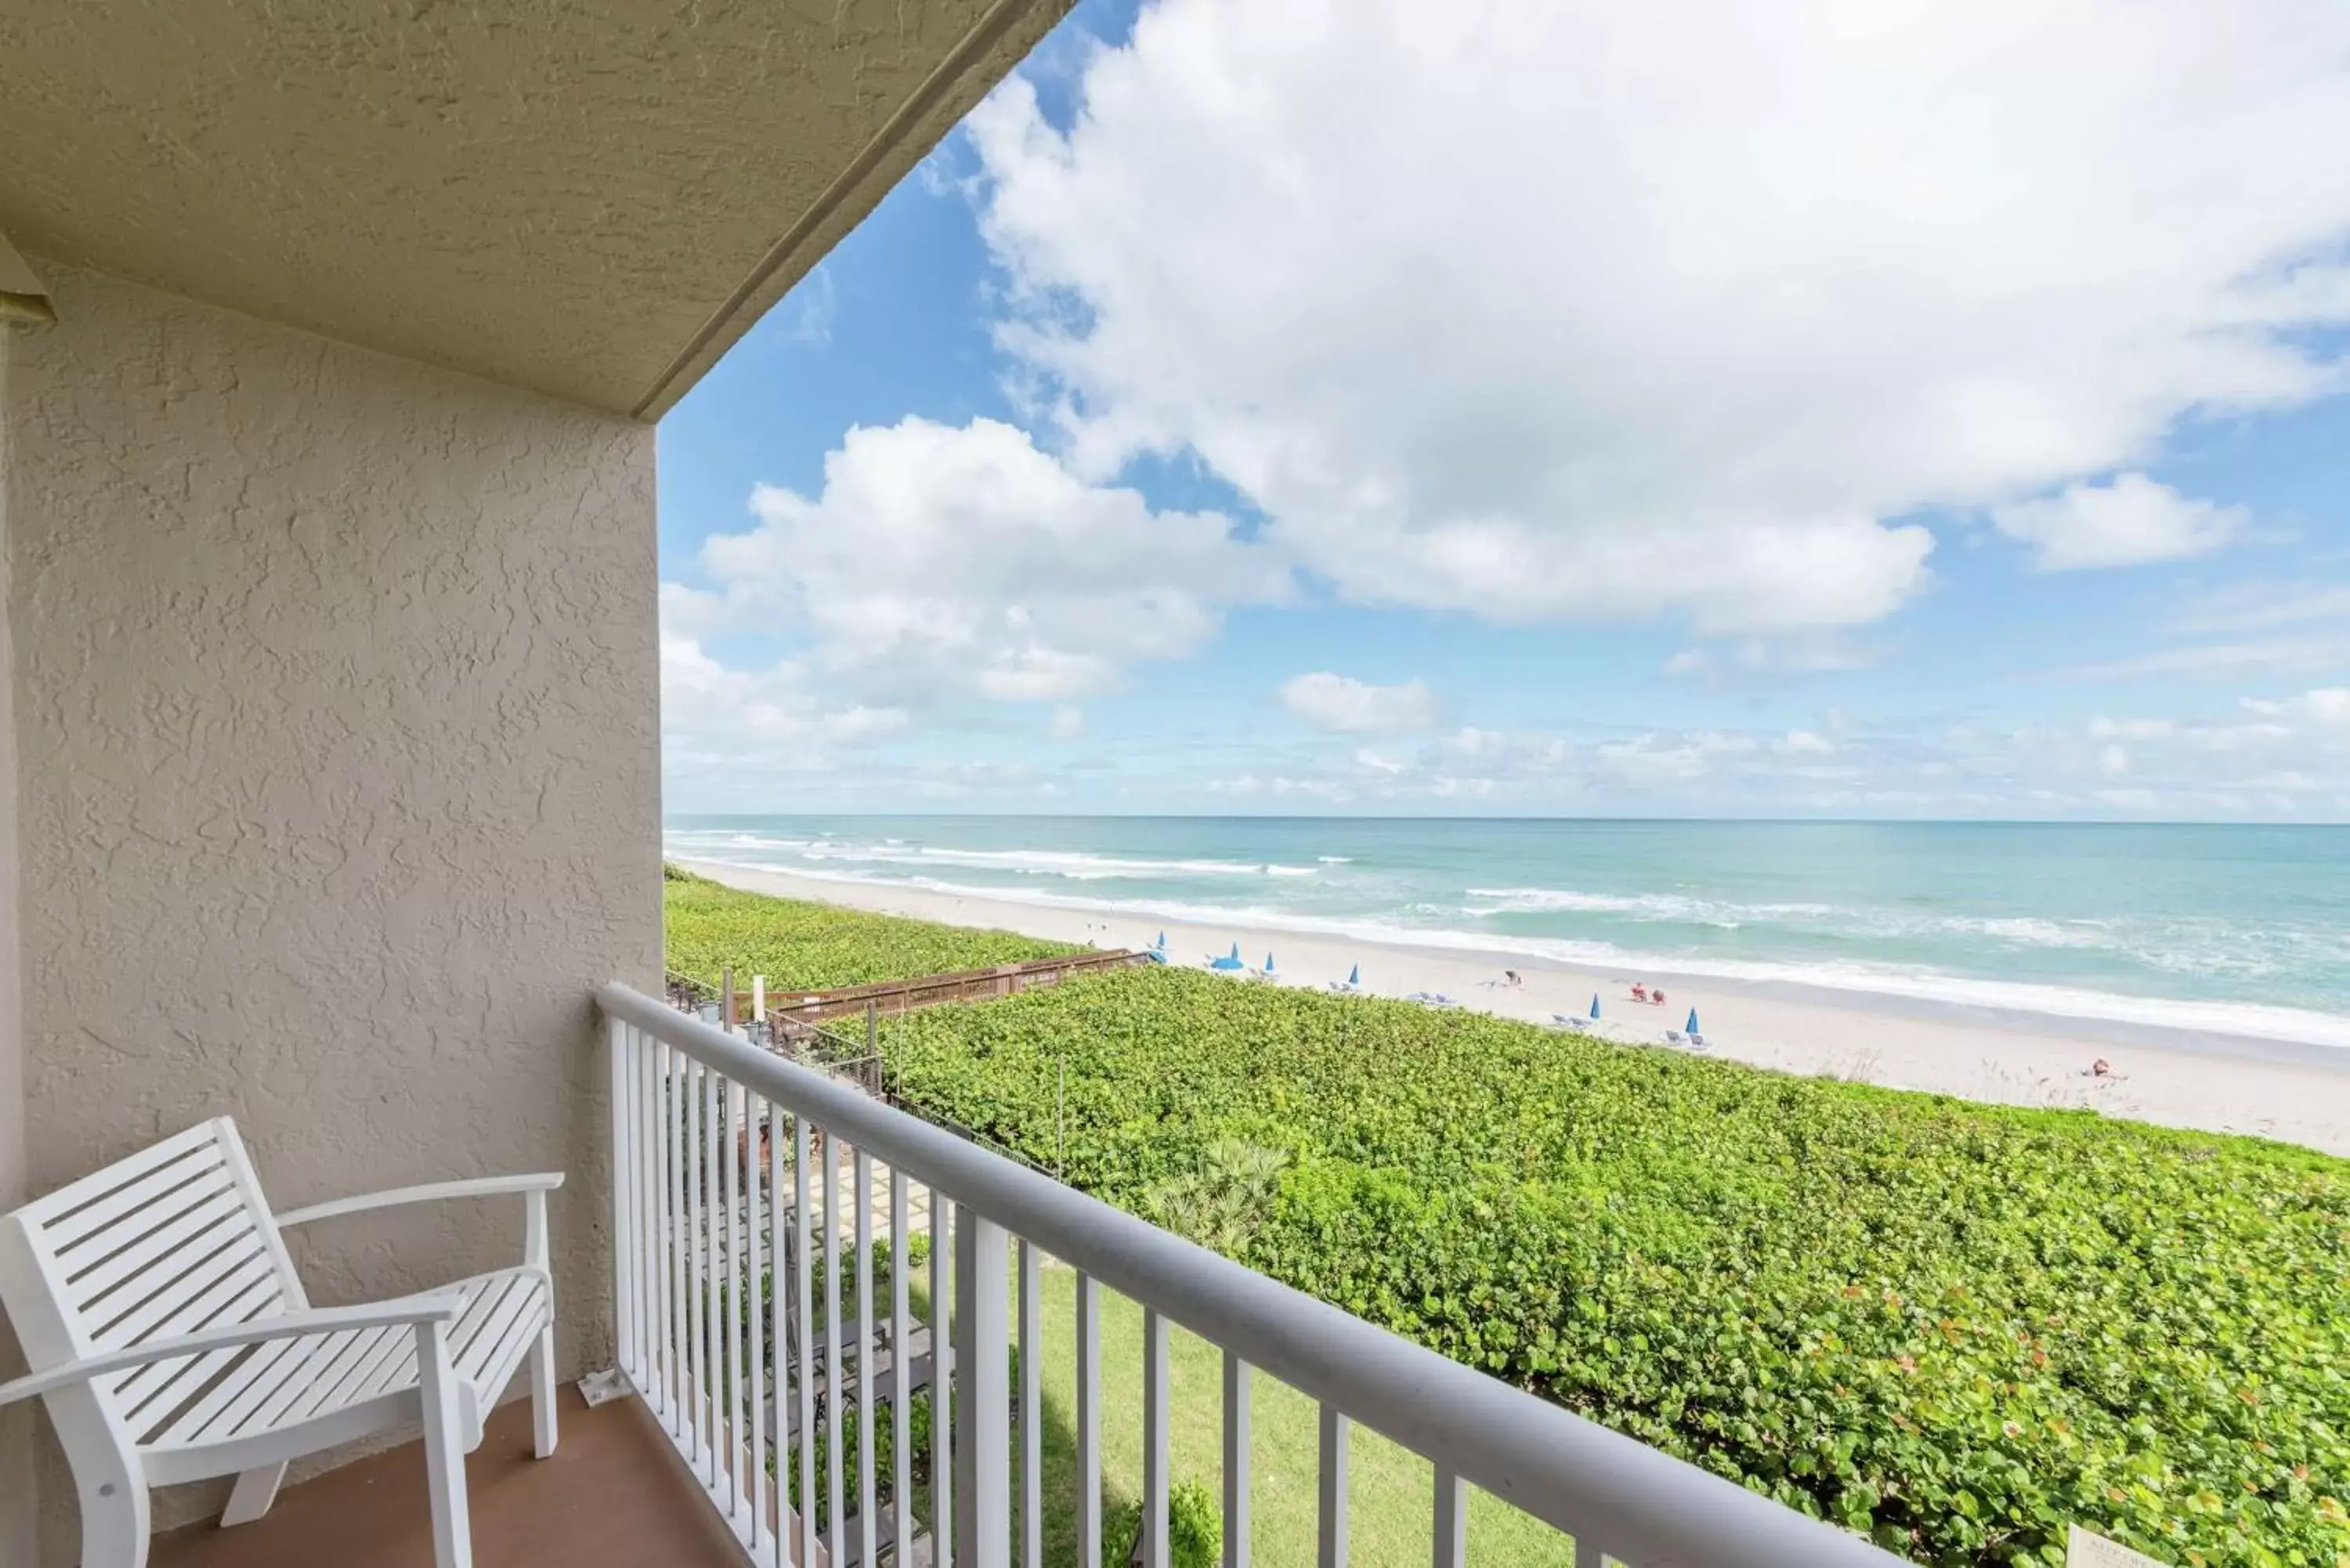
(168, 1332)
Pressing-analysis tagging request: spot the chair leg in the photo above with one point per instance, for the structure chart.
(255, 1490)
(114, 1523)
(542, 1394)
(444, 1450)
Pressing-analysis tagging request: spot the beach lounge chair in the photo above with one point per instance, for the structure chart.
(172, 1341)
(1696, 1041)
(1673, 1036)
(1351, 984)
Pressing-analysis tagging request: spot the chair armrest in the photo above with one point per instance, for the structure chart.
(479, 1187)
(407, 1310)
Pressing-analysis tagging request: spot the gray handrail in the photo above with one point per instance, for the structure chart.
(1639, 1504)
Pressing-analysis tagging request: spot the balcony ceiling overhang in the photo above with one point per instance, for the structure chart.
(591, 200)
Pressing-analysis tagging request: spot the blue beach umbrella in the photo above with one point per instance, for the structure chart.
(1692, 1028)
(1230, 963)
(1268, 961)
(1595, 1004)
(1355, 975)
(1163, 939)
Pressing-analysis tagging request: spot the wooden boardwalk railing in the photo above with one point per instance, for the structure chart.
(933, 989)
(789, 1011)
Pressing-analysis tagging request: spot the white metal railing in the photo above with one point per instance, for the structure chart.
(716, 1148)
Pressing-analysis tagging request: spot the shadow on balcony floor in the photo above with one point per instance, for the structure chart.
(614, 1494)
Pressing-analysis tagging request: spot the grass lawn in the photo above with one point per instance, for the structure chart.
(1390, 1501)
(1390, 1492)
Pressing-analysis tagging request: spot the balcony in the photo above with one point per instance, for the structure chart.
(713, 1144)
(613, 1495)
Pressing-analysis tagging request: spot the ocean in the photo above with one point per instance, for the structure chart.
(2236, 931)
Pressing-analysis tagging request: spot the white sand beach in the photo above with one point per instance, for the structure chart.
(2295, 1094)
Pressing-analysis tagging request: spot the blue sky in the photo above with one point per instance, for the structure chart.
(1275, 408)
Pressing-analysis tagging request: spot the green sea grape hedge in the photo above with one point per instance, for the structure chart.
(1955, 1327)
(815, 947)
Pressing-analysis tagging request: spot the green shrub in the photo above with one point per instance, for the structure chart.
(1957, 1328)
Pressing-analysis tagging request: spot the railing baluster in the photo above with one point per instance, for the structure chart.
(706, 1406)
(1032, 1448)
(1236, 1462)
(1089, 1507)
(754, 1297)
(836, 1469)
(673, 1324)
(1451, 1520)
(697, 1331)
(651, 1256)
(982, 1456)
(778, 1341)
(803, 1269)
(868, 1514)
(943, 1405)
(1154, 1438)
(901, 1368)
(1333, 1523)
(624, 1236)
(726, 1292)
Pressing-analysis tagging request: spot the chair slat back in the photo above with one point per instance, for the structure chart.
(174, 1239)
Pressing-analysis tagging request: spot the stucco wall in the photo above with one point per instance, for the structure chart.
(336, 692)
(17, 1501)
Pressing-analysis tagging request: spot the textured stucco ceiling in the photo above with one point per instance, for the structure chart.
(590, 199)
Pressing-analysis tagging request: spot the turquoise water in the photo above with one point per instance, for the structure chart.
(2240, 930)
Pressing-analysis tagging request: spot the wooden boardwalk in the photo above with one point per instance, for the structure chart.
(789, 1011)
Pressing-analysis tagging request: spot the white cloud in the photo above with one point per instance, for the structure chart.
(1603, 311)
(1068, 723)
(689, 613)
(1678, 758)
(807, 312)
(2318, 653)
(1246, 786)
(2127, 523)
(942, 562)
(1756, 659)
(1347, 706)
(716, 720)
(2263, 606)
(2286, 758)
(2326, 709)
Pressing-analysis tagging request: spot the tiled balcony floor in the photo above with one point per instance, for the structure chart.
(615, 1495)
